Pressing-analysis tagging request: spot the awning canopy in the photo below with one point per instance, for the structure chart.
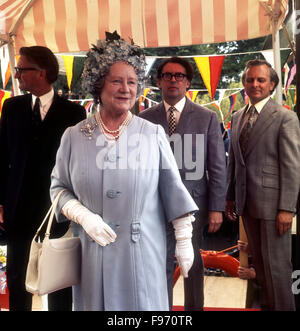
(73, 25)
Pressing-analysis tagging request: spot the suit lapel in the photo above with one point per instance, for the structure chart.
(237, 132)
(52, 110)
(264, 120)
(162, 117)
(184, 117)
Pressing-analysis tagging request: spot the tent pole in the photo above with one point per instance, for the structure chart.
(12, 57)
(277, 64)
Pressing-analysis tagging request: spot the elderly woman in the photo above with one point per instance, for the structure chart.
(122, 186)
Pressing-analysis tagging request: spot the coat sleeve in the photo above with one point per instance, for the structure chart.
(230, 190)
(60, 177)
(216, 166)
(176, 199)
(289, 160)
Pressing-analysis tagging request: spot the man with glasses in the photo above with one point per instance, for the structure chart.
(30, 133)
(196, 140)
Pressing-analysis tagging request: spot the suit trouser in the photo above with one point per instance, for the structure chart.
(19, 298)
(271, 255)
(193, 285)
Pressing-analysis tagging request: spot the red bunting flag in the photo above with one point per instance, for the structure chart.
(210, 69)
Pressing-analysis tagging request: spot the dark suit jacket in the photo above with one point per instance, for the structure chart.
(25, 168)
(267, 179)
(207, 189)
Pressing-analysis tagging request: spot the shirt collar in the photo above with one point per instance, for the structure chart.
(44, 99)
(179, 105)
(260, 105)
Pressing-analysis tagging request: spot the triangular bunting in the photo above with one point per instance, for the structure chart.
(204, 68)
(3, 96)
(210, 69)
(68, 61)
(192, 95)
(289, 73)
(244, 95)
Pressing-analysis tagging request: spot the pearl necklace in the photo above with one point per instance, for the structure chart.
(113, 134)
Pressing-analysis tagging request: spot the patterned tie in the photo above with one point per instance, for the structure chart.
(244, 137)
(172, 121)
(36, 114)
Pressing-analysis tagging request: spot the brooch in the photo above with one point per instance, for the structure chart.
(88, 129)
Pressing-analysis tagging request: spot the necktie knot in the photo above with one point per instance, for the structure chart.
(172, 120)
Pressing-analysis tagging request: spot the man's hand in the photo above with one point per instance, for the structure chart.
(229, 210)
(215, 219)
(284, 221)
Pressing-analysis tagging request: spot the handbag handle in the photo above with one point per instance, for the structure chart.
(50, 212)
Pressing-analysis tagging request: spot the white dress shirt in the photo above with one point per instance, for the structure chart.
(260, 105)
(45, 102)
(179, 108)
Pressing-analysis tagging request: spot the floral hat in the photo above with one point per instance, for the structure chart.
(101, 57)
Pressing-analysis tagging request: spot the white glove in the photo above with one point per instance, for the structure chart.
(184, 249)
(92, 223)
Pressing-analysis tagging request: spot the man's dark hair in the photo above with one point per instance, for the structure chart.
(186, 64)
(259, 62)
(44, 59)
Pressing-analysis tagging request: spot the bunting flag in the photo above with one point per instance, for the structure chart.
(217, 105)
(142, 99)
(232, 100)
(69, 61)
(5, 66)
(210, 69)
(289, 73)
(77, 69)
(3, 96)
(244, 95)
(192, 94)
(89, 107)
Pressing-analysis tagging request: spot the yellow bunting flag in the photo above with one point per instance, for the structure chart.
(68, 61)
(192, 95)
(204, 68)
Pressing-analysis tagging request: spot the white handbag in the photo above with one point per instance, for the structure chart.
(53, 264)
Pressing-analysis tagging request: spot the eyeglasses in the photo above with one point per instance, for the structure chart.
(21, 70)
(178, 76)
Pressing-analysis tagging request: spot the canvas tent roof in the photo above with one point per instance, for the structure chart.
(72, 25)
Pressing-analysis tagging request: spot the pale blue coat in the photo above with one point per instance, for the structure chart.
(136, 187)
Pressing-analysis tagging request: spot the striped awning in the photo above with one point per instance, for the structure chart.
(73, 25)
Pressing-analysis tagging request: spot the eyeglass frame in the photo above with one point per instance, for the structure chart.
(180, 75)
(21, 70)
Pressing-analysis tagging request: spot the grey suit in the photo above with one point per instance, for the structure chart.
(264, 181)
(198, 137)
